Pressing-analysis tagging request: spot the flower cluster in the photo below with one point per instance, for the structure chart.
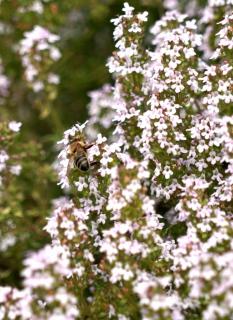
(151, 222)
(202, 258)
(209, 13)
(44, 295)
(38, 53)
(36, 6)
(101, 112)
(14, 303)
(8, 165)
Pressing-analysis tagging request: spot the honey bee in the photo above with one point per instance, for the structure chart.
(77, 154)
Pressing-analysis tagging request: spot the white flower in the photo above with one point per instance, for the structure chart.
(167, 172)
(53, 78)
(16, 169)
(127, 9)
(143, 16)
(14, 126)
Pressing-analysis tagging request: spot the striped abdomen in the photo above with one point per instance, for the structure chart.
(82, 163)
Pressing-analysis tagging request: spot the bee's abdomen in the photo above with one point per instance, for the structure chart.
(82, 163)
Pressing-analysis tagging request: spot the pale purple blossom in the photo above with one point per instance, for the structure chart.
(14, 126)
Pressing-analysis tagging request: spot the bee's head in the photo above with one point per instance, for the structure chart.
(72, 139)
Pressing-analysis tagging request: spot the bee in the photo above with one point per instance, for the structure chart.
(77, 154)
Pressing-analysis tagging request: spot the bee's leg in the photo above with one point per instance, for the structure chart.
(68, 155)
(94, 163)
(88, 146)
